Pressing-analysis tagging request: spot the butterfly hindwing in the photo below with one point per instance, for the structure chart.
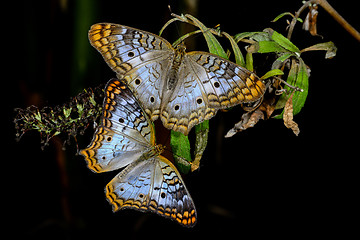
(153, 185)
(146, 83)
(225, 83)
(131, 187)
(188, 106)
(209, 83)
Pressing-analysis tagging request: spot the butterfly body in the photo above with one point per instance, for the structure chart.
(181, 88)
(125, 137)
(172, 77)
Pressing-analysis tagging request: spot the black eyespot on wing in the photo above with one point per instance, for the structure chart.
(131, 54)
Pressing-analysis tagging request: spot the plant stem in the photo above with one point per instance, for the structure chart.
(339, 19)
(297, 14)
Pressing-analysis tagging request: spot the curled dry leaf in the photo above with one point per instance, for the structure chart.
(249, 119)
(329, 47)
(311, 20)
(288, 116)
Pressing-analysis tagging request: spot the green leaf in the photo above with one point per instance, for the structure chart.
(37, 116)
(238, 37)
(181, 39)
(67, 112)
(284, 56)
(80, 109)
(271, 73)
(329, 47)
(56, 133)
(167, 24)
(92, 99)
(180, 146)
(302, 81)
(297, 77)
(262, 36)
(284, 42)
(285, 14)
(239, 58)
(269, 46)
(249, 61)
(213, 44)
(284, 97)
(201, 131)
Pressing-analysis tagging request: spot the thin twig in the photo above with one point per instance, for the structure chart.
(297, 14)
(289, 85)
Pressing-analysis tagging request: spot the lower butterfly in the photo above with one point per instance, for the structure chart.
(126, 138)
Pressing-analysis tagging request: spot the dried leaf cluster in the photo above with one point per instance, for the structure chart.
(70, 119)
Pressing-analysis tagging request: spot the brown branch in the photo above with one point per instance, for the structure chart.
(324, 4)
(339, 19)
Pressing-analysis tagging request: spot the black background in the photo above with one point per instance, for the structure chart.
(264, 182)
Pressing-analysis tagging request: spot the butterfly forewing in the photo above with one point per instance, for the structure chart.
(124, 132)
(125, 48)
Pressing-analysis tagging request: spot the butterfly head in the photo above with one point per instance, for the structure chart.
(181, 48)
(159, 149)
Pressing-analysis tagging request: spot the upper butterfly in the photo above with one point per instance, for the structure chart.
(182, 88)
(124, 137)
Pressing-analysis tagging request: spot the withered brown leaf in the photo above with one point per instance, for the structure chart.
(311, 20)
(288, 116)
(248, 120)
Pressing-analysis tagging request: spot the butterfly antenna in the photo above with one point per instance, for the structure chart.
(176, 25)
